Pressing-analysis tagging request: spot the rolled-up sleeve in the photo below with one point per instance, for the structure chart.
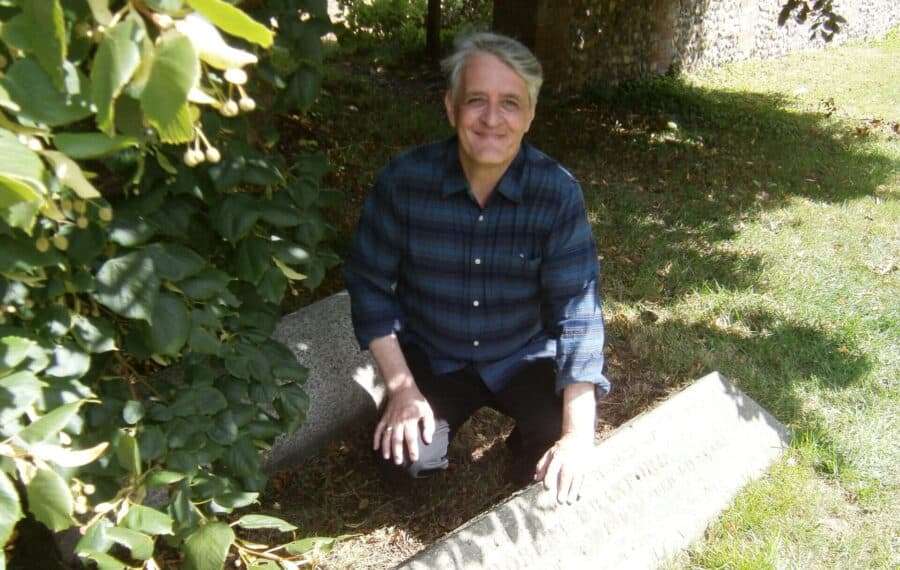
(371, 269)
(569, 281)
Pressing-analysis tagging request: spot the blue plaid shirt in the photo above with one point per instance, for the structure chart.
(491, 287)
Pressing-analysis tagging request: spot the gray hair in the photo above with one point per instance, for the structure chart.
(511, 52)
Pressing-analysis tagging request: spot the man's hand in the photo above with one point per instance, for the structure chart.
(405, 410)
(562, 468)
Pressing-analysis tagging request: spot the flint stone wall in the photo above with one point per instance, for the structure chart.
(583, 42)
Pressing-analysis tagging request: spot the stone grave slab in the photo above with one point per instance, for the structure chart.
(654, 487)
(343, 386)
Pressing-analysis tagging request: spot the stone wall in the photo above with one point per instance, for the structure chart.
(607, 41)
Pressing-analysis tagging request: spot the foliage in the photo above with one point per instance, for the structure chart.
(401, 23)
(130, 241)
(825, 21)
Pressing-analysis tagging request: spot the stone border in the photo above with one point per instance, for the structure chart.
(655, 486)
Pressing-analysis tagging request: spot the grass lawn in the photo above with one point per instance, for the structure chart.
(748, 222)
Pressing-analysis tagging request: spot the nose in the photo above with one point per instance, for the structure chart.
(491, 115)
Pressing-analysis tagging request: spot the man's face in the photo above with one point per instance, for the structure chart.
(491, 112)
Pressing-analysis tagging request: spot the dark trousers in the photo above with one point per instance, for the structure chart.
(529, 399)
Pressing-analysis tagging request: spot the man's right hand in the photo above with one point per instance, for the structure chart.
(406, 409)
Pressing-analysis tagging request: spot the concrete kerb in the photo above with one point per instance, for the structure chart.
(656, 483)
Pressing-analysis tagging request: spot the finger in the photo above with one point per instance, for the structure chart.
(411, 433)
(552, 475)
(540, 470)
(428, 426)
(376, 438)
(397, 443)
(565, 484)
(575, 493)
(386, 442)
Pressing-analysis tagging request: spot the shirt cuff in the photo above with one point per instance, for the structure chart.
(588, 370)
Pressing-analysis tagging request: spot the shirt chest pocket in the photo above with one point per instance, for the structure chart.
(516, 277)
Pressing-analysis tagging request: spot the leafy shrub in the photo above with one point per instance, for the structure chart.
(143, 223)
(401, 23)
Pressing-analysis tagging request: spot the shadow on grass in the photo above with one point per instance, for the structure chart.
(671, 173)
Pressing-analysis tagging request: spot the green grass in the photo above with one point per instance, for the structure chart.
(748, 222)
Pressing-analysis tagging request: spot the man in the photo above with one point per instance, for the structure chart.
(473, 282)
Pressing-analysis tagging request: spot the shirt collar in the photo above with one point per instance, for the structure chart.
(454, 179)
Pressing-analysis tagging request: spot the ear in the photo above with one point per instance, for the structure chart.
(450, 107)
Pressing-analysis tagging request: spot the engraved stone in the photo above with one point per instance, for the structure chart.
(654, 486)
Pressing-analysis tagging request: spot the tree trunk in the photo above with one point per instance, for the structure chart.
(433, 29)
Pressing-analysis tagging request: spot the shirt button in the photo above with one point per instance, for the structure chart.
(475, 343)
(475, 303)
(481, 218)
(477, 261)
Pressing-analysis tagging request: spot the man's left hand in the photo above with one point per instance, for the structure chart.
(563, 467)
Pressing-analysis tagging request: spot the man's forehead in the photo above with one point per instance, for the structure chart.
(477, 78)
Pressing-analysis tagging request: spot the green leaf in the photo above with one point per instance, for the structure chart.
(174, 71)
(50, 500)
(65, 457)
(225, 429)
(13, 350)
(171, 326)
(128, 453)
(272, 285)
(48, 20)
(195, 400)
(129, 286)
(52, 320)
(233, 21)
(70, 174)
(171, 7)
(17, 33)
(68, 362)
(292, 404)
(81, 146)
(207, 547)
(202, 341)
(50, 424)
(179, 130)
(20, 163)
(116, 61)
(95, 538)
(320, 543)
(101, 13)
(17, 392)
(10, 509)
(94, 334)
(175, 262)
(150, 521)
(205, 285)
(288, 272)
(140, 545)
(235, 216)
(252, 259)
(19, 203)
(264, 521)
(132, 412)
(33, 90)
(151, 443)
(163, 478)
(303, 89)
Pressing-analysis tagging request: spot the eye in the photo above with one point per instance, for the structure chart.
(474, 100)
(511, 104)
